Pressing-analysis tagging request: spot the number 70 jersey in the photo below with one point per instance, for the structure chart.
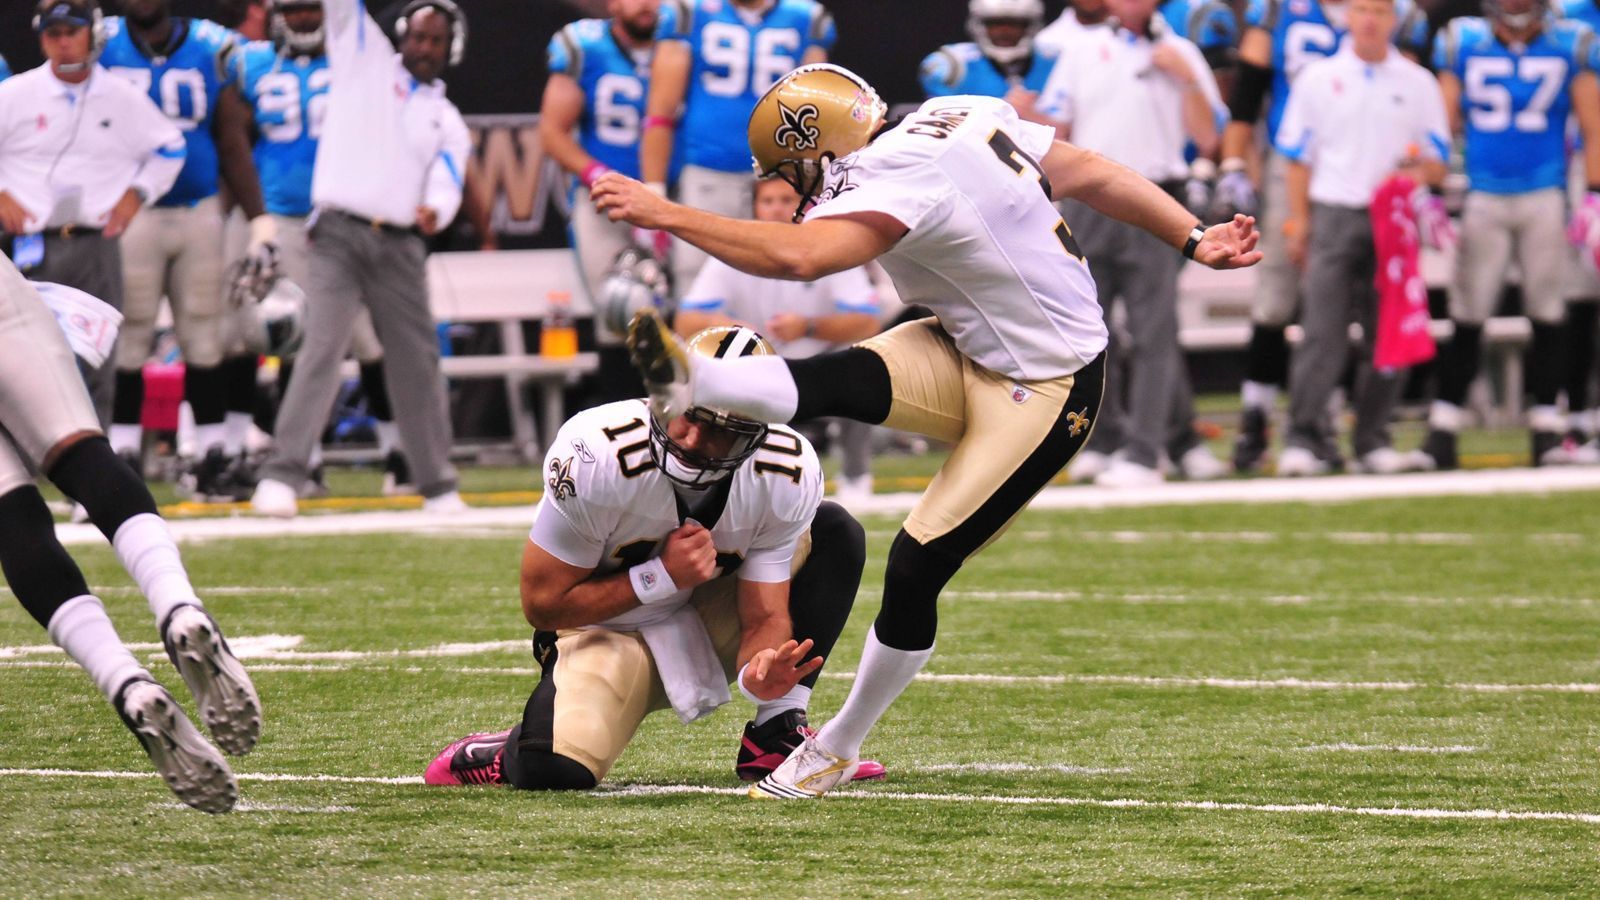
(607, 507)
(185, 86)
(289, 96)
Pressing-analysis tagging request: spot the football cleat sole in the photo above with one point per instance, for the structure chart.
(192, 768)
(229, 705)
(662, 363)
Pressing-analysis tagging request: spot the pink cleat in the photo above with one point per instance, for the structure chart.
(474, 759)
(764, 748)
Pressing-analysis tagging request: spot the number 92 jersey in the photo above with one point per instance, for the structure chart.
(607, 507)
(615, 83)
(289, 96)
(184, 85)
(1301, 33)
(1515, 104)
(736, 58)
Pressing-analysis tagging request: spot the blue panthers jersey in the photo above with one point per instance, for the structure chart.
(289, 95)
(5, 69)
(615, 83)
(1585, 11)
(737, 57)
(963, 69)
(1515, 101)
(1209, 24)
(1301, 33)
(185, 85)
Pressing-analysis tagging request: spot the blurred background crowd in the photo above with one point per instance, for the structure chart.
(406, 185)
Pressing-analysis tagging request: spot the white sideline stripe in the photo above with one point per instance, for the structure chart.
(1249, 683)
(1058, 768)
(1333, 489)
(1269, 599)
(247, 646)
(1389, 748)
(245, 806)
(650, 790)
(241, 776)
(1425, 538)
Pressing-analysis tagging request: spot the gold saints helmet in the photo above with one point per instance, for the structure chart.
(814, 114)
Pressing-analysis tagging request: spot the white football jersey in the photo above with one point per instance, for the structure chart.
(607, 507)
(986, 250)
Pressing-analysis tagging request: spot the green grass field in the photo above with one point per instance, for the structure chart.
(1259, 683)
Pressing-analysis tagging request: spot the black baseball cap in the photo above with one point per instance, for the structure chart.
(71, 12)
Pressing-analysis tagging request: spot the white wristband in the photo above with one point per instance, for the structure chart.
(659, 188)
(744, 690)
(651, 583)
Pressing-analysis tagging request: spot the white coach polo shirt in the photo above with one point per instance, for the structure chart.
(1123, 107)
(389, 143)
(68, 152)
(1352, 122)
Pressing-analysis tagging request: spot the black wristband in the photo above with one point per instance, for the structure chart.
(1196, 235)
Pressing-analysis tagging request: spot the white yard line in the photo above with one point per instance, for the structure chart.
(1359, 538)
(1187, 805)
(1388, 748)
(1338, 489)
(868, 592)
(1007, 767)
(656, 790)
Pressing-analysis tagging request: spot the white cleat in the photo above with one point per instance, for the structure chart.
(1124, 473)
(274, 498)
(1386, 461)
(663, 363)
(192, 768)
(445, 504)
(808, 773)
(1298, 462)
(1200, 464)
(221, 687)
(1087, 466)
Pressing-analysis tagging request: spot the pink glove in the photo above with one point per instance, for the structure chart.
(1584, 230)
(1434, 228)
(657, 242)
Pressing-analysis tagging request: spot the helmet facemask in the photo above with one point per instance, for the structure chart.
(806, 177)
(301, 43)
(725, 442)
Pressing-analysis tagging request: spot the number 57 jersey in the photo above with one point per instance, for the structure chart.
(607, 507)
(1515, 100)
(986, 249)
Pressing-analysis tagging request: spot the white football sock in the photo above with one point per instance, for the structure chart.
(147, 551)
(82, 628)
(388, 436)
(797, 698)
(1256, 395)
(236, 427)
(756, 386)
(211, 434)
(883, 675)
(127, 437)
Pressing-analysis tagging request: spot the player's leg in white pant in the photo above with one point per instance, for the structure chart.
(146, 252)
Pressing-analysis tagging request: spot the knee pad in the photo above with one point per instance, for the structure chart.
(36, 566)
(134, 341)
(90, 473)
(839, 537)
(201, 339)
(534, 769)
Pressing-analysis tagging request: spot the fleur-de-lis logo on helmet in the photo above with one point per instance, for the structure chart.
(798, 130)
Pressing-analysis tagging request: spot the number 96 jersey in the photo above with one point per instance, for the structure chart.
(289, 95)
(607, 507)
(185, 85)
(737, 56)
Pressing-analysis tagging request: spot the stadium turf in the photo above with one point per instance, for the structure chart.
(1377, 697)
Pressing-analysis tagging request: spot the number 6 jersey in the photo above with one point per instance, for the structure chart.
(607, 507)
(987, 251)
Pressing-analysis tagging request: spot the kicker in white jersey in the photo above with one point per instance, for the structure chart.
(984, 246)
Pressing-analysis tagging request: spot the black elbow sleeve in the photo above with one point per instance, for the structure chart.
(1250, 86)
